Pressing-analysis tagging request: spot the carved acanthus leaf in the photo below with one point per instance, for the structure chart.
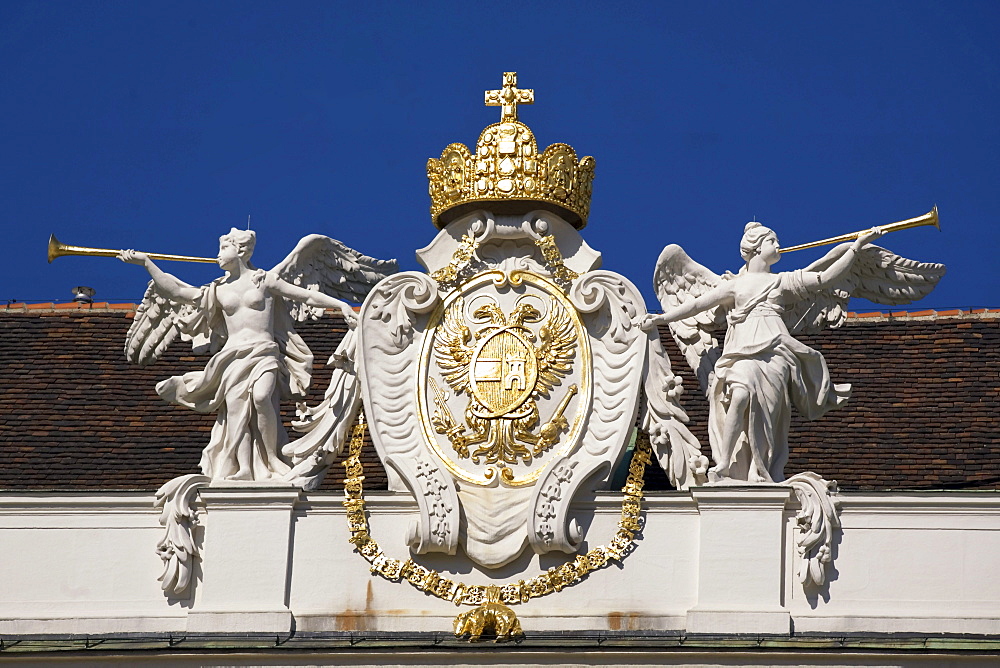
(818, 520)
(178, 548)
(397, 298)
(607, 295)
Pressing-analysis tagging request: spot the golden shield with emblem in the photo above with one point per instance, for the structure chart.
(504, 371)
(504, 378)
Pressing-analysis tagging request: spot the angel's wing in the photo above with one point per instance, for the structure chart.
(320, 263)
(452, 348)
(878, 275)
(157, 323)
(678, 279)
(555, 354)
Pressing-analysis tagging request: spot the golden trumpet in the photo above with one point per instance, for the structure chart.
(58, 249)
(929, 218)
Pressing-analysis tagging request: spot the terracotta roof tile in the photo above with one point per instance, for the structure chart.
(74, 415)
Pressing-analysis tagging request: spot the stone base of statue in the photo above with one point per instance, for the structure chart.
(245, 559)
(738, 530)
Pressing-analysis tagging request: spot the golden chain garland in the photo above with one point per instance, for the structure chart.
(465, 251)
(452, 272)
(431, 581)
(554, 259)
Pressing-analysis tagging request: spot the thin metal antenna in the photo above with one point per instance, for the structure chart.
(248, 221)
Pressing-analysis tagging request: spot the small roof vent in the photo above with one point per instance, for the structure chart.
(83, 294)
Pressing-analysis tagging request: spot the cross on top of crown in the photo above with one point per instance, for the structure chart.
(508, 97)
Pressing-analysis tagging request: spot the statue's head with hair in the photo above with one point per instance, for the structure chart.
(243, 240)
(753, 236)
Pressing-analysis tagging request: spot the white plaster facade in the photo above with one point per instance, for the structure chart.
(715, 560)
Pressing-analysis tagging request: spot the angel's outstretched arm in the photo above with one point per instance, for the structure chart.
(720, 294)
(311, 297)
(170, 285)
(842, 265)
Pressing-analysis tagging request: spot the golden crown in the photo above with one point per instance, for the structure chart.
(507, 172)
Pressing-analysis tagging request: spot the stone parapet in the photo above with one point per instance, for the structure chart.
(719, 562)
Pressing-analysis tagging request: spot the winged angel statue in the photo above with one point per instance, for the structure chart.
(752, 381)
(245, 319)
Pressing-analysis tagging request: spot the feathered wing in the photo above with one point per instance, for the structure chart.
(878, 275)
(678, 279)
(453, 349)
(557, 339)
(158, 321)
(320, 263)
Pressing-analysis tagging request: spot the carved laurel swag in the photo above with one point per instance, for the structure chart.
(325, 427)
(662, 417)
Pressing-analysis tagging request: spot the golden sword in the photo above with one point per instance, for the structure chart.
(550, 430)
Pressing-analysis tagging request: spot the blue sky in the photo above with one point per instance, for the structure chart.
(159, 126)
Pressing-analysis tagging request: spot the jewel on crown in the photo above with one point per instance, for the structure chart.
(507, 174)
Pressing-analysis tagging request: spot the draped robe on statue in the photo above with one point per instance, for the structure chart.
(777, 371)
(225, 387)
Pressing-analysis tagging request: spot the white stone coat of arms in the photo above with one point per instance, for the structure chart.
(480, 382)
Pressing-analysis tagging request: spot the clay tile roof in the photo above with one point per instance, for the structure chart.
(74, 415)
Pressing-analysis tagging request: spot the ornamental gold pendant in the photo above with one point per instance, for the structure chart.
(492, 618)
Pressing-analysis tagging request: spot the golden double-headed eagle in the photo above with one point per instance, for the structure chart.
(503, 367)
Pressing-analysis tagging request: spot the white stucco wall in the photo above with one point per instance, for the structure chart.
(906, 562)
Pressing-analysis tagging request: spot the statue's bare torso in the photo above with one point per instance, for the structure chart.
(248, 310)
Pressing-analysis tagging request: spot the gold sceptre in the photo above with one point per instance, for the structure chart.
(929, 218)
(444, 422)
(58, 249)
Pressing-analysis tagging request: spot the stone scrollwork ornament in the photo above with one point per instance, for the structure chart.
(816, 521)
(178, 548)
